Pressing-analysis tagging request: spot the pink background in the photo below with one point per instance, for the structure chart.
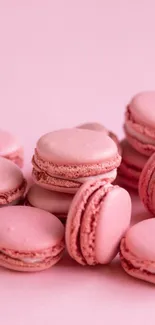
(64, 62)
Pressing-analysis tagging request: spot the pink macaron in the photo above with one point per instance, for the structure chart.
(67, 158)
(147, 184)
(12, 182)
(97, 220)
(57, 203)
(30, 239)
(131, 166)
(10, 148)
(137, 251)
(100, 128)
(140, 122)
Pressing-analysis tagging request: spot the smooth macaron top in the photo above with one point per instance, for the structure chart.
(8, 143)
(29, 229)
(55, 202)
(76, 146)
(131, 156)
(142, 108)
(140, 240)
(11, 176)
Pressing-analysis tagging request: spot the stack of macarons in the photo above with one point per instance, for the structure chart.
(139, 143)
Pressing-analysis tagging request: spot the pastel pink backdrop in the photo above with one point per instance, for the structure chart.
(64, 62)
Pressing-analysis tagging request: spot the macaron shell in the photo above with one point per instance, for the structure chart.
(137, 273)
(131, 156)
(17, 157)
(83, 147)
(11, 176)
(74, 218)
(140, 143)
(140, 240)
(94, 126)
(54, 202)
(142, 108)
(138, 250)
(100, 128)
(146, 184)
(8, 143)
(113, 221)
(126, 182)
(29, 229)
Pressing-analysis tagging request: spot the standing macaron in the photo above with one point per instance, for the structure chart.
(131, 166)
(140, 122)
(57, 203)
(97, 220)
(30, 239)
(137, 251)
(100, 128)
(10, 148)
(12, 183)
(65, 159)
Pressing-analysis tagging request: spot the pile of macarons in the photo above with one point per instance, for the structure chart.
(79, 200)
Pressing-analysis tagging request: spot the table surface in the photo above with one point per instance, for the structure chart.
(62, 63)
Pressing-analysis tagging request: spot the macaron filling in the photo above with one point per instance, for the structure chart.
(75, 171)
(45, 178)
(31, 258)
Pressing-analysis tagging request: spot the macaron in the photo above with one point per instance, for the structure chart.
(12, 182)
(140, 122)
(57, 203)
(147, 185)
(131, 166)
(137, 251)
(30, 239)
(98, 218)
(65, 159)
(100, 128)
(10, 148)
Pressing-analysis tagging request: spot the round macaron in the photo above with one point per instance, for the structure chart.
(131, 166)
(57, 203)
(137, 251)
(65, 159)
(140, 122)
(30, 239)
(12, 182)
(98, 218)
(100, 128)
(147, 184)
(10, 148)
